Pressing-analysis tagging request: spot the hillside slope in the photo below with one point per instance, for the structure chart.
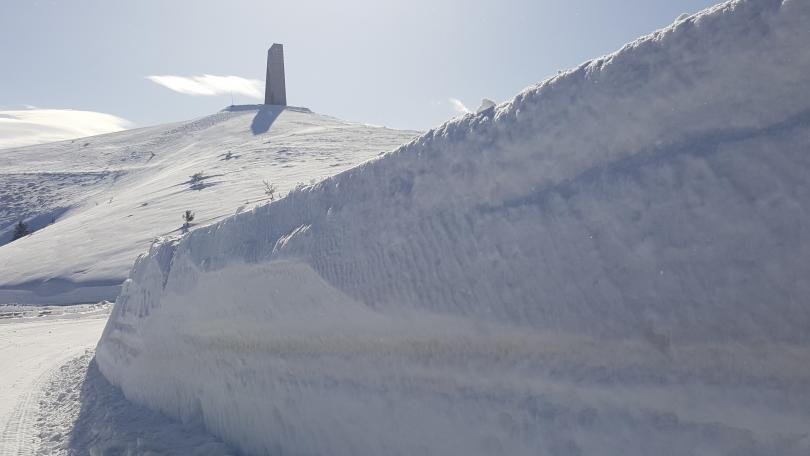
(99, 202)
(614, 262)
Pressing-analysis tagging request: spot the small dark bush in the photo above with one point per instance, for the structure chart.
(188, 217)
(20, 230)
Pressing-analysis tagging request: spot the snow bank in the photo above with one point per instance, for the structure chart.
(83, 414)
(614, 262)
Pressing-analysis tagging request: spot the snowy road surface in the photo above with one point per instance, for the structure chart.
(31, 348)
(54, 402)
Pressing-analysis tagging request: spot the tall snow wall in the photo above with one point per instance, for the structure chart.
(616, 261)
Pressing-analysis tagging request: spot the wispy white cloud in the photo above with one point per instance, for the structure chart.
(459, 106)
(207, 85)
(36, 126)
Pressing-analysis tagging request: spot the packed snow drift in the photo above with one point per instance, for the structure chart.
(616, 261)
(95, 204)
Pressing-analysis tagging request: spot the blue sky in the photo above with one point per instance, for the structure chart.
(392, 63)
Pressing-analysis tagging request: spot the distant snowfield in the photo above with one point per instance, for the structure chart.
(36, 126)
(97, 203)
(614, 262)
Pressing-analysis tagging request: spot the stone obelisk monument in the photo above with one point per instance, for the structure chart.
(275, 93)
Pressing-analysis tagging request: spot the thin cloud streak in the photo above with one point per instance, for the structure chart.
(37, 126)
(210, 85)
(459, 106)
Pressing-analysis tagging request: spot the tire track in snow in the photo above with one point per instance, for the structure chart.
(18, 436)
(31, 351)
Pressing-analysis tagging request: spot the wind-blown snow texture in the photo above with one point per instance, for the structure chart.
(97, 203)
(614, 262)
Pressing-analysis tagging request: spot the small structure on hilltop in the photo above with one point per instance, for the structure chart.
(275, 92)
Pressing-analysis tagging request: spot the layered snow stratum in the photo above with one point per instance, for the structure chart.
(616, 261)
(97, 203)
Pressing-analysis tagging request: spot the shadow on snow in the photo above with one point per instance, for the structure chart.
(108, 423)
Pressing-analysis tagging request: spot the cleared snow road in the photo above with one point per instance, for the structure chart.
(32, 347)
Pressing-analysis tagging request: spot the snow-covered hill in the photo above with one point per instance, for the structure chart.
(99, 202)
(614, 262)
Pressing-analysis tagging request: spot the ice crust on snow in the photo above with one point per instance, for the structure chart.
(616, 261)
(486, 103)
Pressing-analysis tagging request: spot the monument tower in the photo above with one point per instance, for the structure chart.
(275, 93)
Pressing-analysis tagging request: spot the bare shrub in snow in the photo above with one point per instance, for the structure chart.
(20, 230)
(188, 217)
(269, 190)
(196, 177)
(195, 181)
